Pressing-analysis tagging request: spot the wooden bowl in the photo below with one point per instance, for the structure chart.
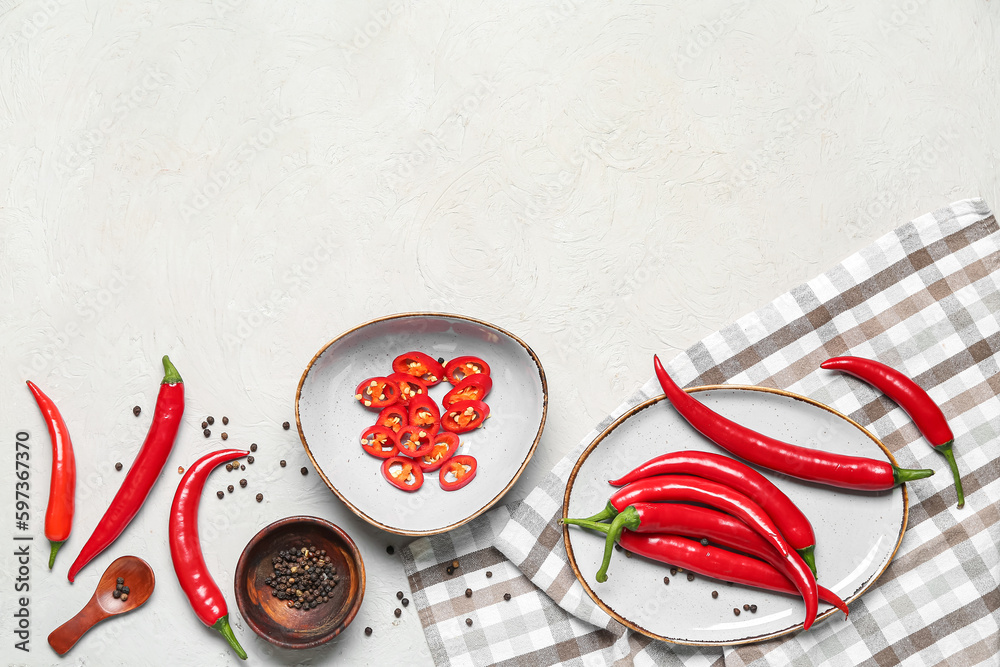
(270, 617)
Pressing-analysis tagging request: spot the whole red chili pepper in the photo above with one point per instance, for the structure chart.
(792, 523)
(698, 523)
(144, 471)
(813, 465)
(915, 402)
(185, 548)
(62, 485)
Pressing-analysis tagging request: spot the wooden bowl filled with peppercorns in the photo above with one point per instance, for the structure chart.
(300, 582)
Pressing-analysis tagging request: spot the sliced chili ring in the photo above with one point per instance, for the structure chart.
(414, 441)
(465, 416)
(408, 469)
(445, 446)
(419, 365)
(377, 393)
(393, 417)
(472, 388)
(461, 469)
(379, 441)
(460, 368)
(409, 387)
(424, 413)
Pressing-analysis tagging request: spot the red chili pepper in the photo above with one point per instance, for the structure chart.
(414, 441)
(465, 416)
(62, 484)
(377, 393)
(393, 417)
(144, 471)
(419, 365)
(461, 469)
(472, 388)
(424, 413)
(445, 446)
(915, 402)
(401, 479)
(185, 547)
(792, 523)
(409, 386)
(460, 368)
(847, 472)
(380, 442)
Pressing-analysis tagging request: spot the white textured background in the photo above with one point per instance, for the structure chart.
(234, 183)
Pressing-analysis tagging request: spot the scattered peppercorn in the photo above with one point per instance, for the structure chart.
(715, 594)
(390, 550)
(449, 570)
(118, 466)
(618, 547)
(304, 470)
(243, 483)
(506, 596)
(126, 590)
(180, 470)
(628, 554)
(690, 577)
(736, 611)
(119, 580)
(753, 609)
(253, 446)
(229, 467)
(468, 592)
(746, 607)
(704, 541)
(220, 494)
(250, 460)
(468, 622)
(282, 463)
(225, 420)
(225, 436)
(673, 571)
(406, 602)
(229, 488)
(441, 360)
(136, 410)
(116, 594)
(242, 467)
(303, 577)
(260, 497)
(204, 424)
(368, 632)
(124, 597)
(207, 432)
(454, 564)
(398, 612)
(488, 574)
(666, 581)
(211, 420)
(399, 595)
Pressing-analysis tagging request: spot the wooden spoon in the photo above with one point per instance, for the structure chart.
(138, 577)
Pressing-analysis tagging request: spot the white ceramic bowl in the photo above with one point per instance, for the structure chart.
(330, 420)
(857, 533)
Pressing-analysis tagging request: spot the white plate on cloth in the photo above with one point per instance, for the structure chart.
(330, 420)
(857, 533)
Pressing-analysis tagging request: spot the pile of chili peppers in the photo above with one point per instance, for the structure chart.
(681, 507)
(411, 435)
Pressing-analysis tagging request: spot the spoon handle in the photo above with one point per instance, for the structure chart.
(66, 635)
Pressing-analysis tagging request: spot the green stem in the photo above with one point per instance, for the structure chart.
(222, 625)
(170, 374)
(901, 475)
(608, 512)
(629, 518)
(590, 525)
(809, 556)
(52, 555)
(949, 454)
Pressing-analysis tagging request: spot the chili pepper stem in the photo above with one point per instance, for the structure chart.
(222, 625)
(52, 555)
(608, 512)
(170, 374)
(901, 475)
(628, 518)
(589, 525)
(949, 454)
(809, 556)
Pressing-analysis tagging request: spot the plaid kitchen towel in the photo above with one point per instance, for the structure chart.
(924, 299)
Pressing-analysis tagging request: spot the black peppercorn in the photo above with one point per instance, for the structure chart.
(250, 460)
(506, 596)
(468, 622)
(704, 541)
(753, 609)
(368, 632)
(225, 420)
(286, 425)
(449, 570)
(397, 612)
(220, 494)
(229, 467)
(260, 497)
(136, 410)
(253, 446)
(282, 463)
(488, 574)
(116, 594)
(243, 483)
(390, 549)
(229, 488)
(211, 420)
(468, 592)
(405, 602)
(204, 424)
(120, 580)
(746, 607)
(118, 466)
(399, 595)
(690, 577)
(736, 611)
(242, 467)
(666, 580)
(715, 594)
(207, 432)
(304, 470)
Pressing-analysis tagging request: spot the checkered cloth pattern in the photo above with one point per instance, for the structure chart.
(923, 299)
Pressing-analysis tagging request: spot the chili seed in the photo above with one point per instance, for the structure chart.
(118, 466)
(736, 611)
(666, 581)
(225, 420)
(406, 602)
(468, 622)
(211, 420)
(229, 488)
(753, 609)
(243, 483)
(304, 470)
(136, 410)
(399, 595)
(746, 607)
(116, 594)
(488, 574)
(207, 432)
(124, 597)
(260, 497)
(229, 467)
(390, 550)
(286, 425)
(253, 446)
(204, 424)
(715, 594)
(250, 459)
(468, 592)
(397, 612)
(368, 632)
(220, 494)
(282, 463)
(690, 577)
(506, 596)
(225, 436)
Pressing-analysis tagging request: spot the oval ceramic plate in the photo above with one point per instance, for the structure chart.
(330, 421)
(857, 533)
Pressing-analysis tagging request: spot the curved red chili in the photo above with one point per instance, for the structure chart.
(462, 470)
(813, 465)
(409, 387)
(145, 469)
(465, 416)
(460, 368)
(792, 523)
(380, 442)
(414, 441)
(407, 468)
(62, 483)
(377, 393)
(445, 446)
(472, 388)
(420, 365)
(424, 413)
(393, 418)
(915, 402)
(185, 547)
